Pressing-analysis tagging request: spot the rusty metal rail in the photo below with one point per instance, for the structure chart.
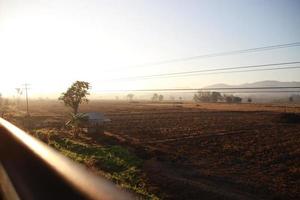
(29, 169)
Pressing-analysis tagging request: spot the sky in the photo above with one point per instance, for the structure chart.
(51, 43)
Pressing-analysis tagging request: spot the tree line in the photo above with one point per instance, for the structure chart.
(207, 96)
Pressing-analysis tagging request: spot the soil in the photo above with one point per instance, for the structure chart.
(205, 151)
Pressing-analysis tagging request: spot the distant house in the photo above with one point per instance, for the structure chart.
(96, 118)
(95, 122)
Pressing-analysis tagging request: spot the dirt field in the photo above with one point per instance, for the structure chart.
(204, 151)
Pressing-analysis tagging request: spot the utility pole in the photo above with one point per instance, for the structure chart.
(26, 93)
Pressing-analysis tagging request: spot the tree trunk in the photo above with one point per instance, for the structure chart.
(76, 110)
(76, 132)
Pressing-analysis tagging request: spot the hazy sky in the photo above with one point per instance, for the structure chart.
(51, 43)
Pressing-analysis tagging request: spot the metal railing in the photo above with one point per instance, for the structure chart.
(29, 169)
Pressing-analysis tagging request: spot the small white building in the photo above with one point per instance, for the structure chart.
(95, 121)
(96, 118)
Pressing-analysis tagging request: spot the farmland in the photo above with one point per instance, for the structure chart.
(187, 151)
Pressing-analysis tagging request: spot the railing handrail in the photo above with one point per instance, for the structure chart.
(37, 171)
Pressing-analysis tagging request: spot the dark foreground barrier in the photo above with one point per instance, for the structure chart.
(29, 169)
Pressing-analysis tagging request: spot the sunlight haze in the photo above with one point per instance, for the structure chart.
(50, 44)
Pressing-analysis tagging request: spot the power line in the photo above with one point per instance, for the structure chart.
(236, 92)
(205, 89)
(215, 70)
(225, 53)
(240, 71)
(250, 92)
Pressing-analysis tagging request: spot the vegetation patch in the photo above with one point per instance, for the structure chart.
(114, 162)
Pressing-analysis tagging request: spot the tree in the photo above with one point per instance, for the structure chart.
(172, 98)
(232, 99)
(160, 97)
(294, 98)
(206, 96)
(215, 96)
(76, 122)
(130, 97)
(237, 99)
(76, 95)
(228, 98)
(154, 97)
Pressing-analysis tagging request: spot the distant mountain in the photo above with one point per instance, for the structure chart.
(259, 84)
(219, 85)
(262, 96)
